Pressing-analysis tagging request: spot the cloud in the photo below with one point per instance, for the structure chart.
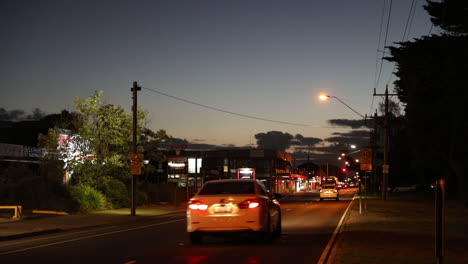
(300, 140)
(274, 140)
(194, 144)
(20, 115)
(355, 137)
(354, 124)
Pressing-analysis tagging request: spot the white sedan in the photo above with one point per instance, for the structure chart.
(233, 206)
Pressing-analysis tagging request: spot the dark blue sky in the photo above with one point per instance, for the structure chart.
(268, 59)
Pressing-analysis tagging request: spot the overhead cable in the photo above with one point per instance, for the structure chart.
(385, 41)
(406, 33)
(221, 110)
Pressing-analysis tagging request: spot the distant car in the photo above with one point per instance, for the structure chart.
(233, 206)
(329, 192)
(342, 185)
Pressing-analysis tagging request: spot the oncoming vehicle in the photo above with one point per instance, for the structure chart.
(233, 206)
(329, 192)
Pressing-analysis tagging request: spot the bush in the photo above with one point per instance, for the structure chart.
(115, 191)
(87, 198)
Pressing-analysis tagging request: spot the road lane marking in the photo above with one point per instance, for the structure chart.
(72, 233)
(326, 253)
(86, 237)
(49, 237)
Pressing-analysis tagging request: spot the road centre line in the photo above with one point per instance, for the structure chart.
(55, 236)
(78, 232)
(73, 233)
(82, 238)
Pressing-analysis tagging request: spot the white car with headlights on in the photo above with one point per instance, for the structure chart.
(222, 206)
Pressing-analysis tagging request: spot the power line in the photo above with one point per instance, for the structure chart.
(385, 41)
(409, 23)
(378, 44)
(221, 110)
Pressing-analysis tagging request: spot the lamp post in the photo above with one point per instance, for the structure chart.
(324, 97)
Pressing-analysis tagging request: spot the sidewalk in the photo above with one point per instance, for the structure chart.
(400, 229)
(36, 224)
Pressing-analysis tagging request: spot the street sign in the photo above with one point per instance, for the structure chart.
(135, 164)
(365, 156)
(366, 167)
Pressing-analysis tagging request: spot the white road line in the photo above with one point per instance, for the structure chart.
(43, 238)
(327, 250)
(86, 237)
(73, 233)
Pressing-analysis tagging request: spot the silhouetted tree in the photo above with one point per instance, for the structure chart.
(432, 83)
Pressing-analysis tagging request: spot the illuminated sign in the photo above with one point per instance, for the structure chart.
(194, 165)
(245, 173)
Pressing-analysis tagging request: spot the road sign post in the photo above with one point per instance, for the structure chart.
(137, 171)
(136, 162)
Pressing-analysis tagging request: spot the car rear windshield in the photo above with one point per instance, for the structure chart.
(329, 187)
(228, 188)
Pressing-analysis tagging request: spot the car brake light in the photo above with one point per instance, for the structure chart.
(197, 205)
(335, 191)
(321, 190)
(251, 203)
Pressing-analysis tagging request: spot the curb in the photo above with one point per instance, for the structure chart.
(329, 251)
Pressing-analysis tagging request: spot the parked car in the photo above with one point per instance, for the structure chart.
(329, 192)
(241, 205)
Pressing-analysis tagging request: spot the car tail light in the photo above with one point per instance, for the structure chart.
(321, 190)
(251, 203)
(335, 190)
(197, 205)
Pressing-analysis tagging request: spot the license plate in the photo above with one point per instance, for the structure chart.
(223, 209)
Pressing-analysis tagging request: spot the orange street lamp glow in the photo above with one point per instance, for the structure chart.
(323, 97)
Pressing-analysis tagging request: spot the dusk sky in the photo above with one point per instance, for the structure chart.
(267, 59)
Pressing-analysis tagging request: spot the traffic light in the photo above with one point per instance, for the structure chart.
(343, 170)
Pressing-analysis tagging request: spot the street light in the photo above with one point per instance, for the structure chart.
(324, 97)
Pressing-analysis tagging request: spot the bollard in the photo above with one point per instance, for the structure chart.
(440, 220)
(360, 198)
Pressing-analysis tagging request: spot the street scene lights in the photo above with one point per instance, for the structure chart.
(324, 97)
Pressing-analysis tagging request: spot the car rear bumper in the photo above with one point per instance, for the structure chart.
(222, 224)
(328, 195)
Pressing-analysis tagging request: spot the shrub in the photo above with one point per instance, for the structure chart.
(87, 198)
(115, 191)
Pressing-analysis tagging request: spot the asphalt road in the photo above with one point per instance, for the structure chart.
(307, 227)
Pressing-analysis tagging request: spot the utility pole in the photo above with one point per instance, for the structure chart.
(375, 185)
(385, 167)
(134, 90)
